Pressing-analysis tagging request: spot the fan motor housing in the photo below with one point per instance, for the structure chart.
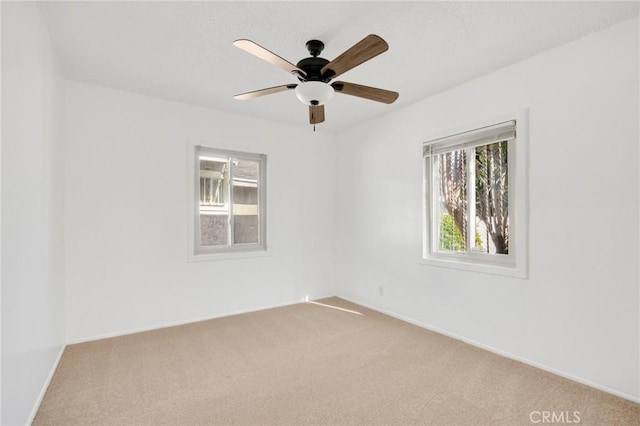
(312, 67)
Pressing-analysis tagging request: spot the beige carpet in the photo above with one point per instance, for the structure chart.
(310, 364)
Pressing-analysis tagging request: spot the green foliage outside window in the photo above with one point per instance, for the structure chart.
(450, 236)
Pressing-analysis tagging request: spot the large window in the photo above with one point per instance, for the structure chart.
(473, 196)
(230, 202)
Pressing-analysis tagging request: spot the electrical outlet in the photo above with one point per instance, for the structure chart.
(380, 291)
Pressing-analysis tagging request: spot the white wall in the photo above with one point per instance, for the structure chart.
(32, 212)
(126, 201)
(578, 312)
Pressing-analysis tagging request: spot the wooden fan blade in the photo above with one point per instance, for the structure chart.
(267, 55)
(316, 114)
(263, 92)
(366, 92)
(367, 48)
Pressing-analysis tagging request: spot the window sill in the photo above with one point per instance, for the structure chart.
(208, 257)
(460, 264)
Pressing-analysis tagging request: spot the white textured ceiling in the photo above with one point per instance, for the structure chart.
(183, 50)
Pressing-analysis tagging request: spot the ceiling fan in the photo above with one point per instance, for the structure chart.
(315, 74)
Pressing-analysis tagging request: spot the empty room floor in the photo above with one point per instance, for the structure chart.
(309, 363)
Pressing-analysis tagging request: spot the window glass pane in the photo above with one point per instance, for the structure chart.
(214, 201)
(451, 206)
(245, 183)
(491, 199)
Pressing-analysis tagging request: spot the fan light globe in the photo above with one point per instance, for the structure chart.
(311, 91)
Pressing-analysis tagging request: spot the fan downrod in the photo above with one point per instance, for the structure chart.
(315, 47)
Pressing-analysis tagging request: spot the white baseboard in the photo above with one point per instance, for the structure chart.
(498, 351)
(177, 323)
(36, 406)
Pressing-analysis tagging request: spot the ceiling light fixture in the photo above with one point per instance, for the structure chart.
(314, 92)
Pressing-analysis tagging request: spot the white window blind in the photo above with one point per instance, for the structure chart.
(484, 136)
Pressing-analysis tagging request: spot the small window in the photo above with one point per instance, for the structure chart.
(230, 202)
(471, 205)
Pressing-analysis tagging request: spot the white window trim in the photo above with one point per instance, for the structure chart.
(516, 263)
(197, 253)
